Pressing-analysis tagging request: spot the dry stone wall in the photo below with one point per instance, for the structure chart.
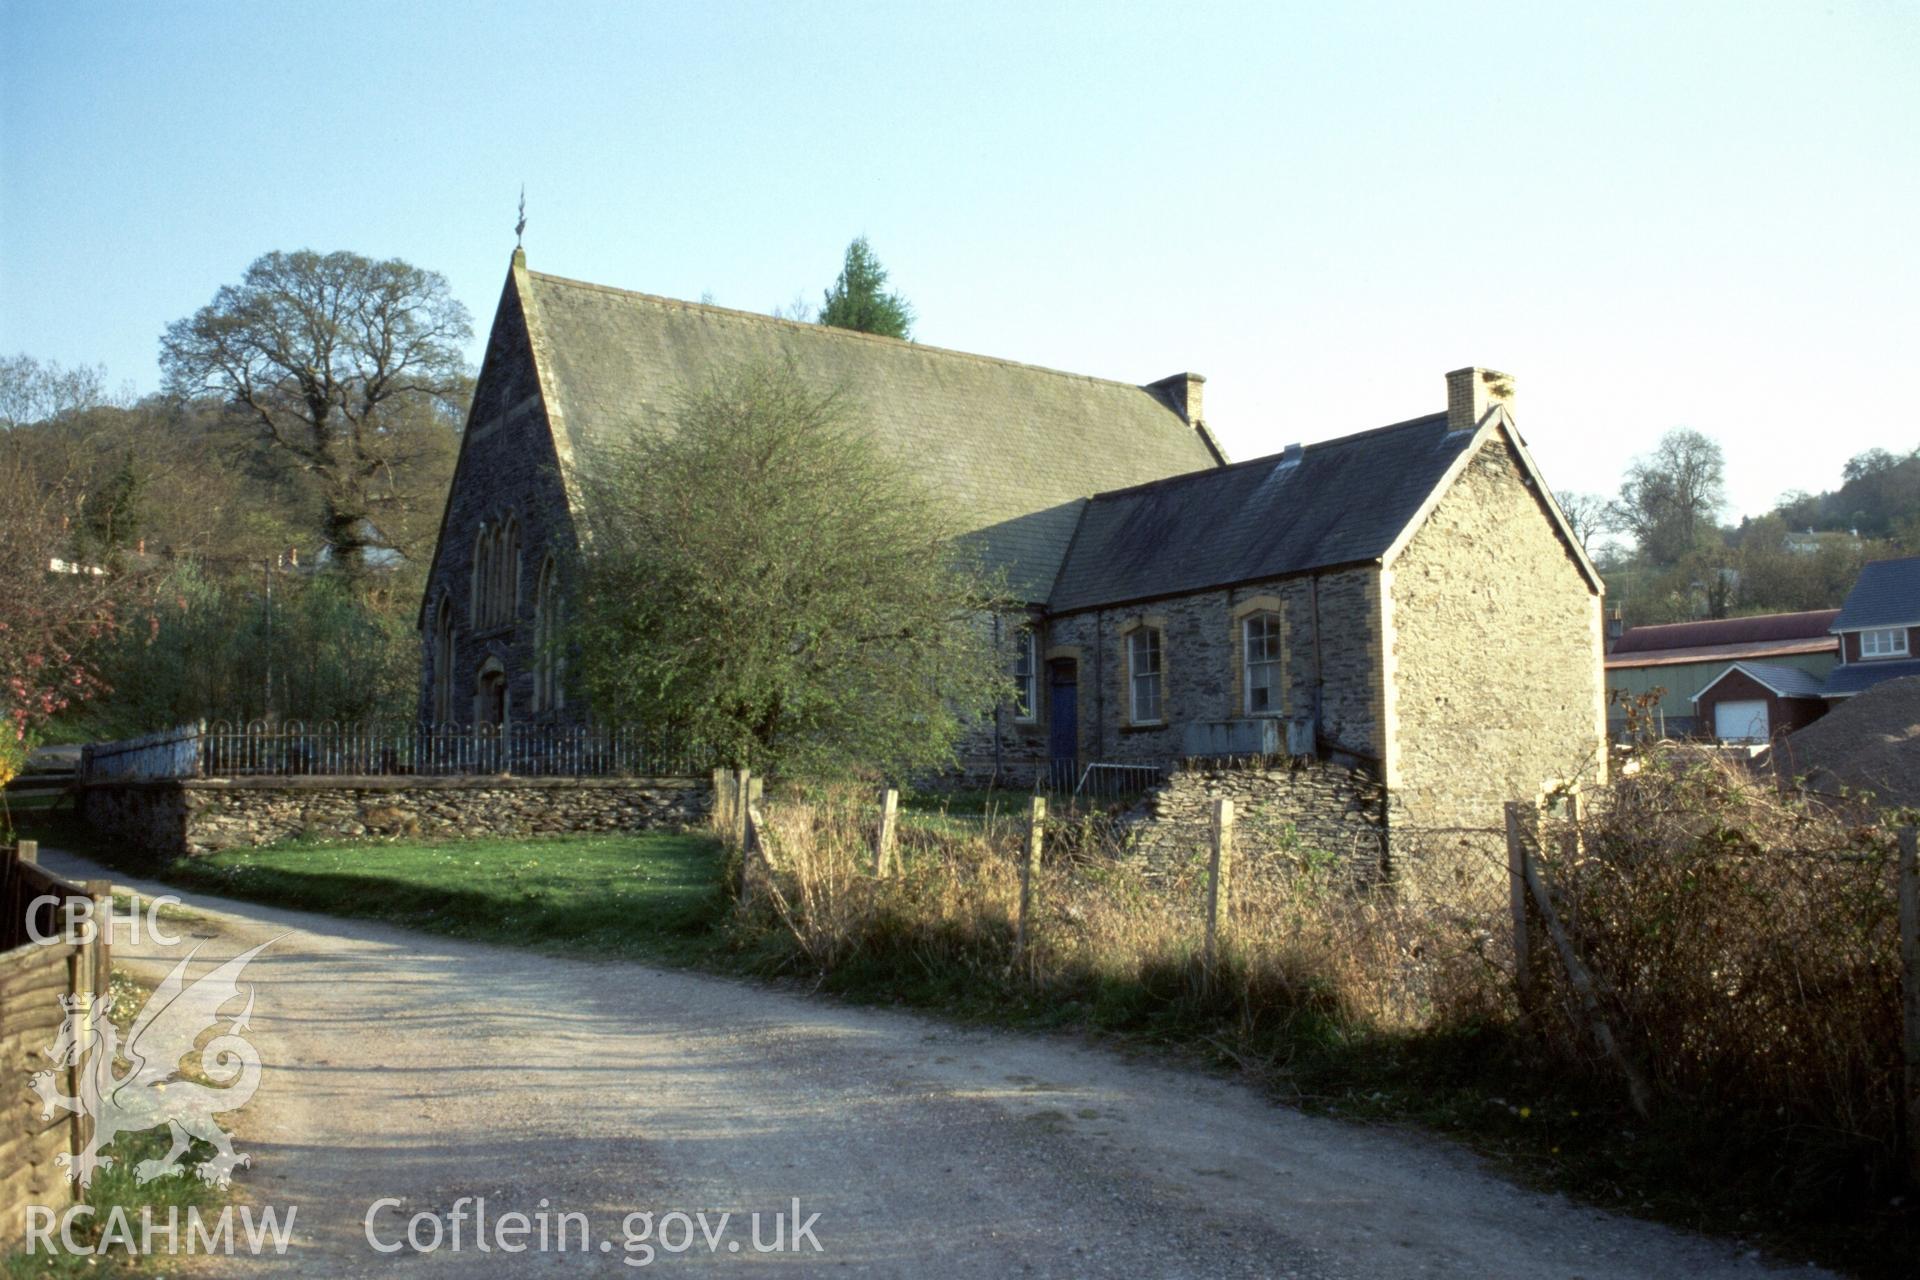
(197, 816)
(1285, 810)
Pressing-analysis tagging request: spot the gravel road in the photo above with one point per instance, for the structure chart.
(419, 1070)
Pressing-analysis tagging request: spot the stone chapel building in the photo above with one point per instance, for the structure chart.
(1408, 601)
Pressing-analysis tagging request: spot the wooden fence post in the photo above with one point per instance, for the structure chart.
(721, 818)
(1030, 871)
(1587, 990)
(742, 781)
(884, 855)
(101, 891)
(1910, 991)
(1219, 880)
(1522, 820)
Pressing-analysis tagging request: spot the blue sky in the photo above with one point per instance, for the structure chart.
(1654, 215)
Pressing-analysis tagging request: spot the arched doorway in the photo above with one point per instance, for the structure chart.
(490, 696)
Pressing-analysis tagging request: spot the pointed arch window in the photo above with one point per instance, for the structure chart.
(442, 708)
(549, 641)
(496, 574)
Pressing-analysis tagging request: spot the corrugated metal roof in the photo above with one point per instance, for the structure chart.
(1013, 448)
(1850, 678)
(1887, 594)
(1337, 502)
(1757, 629)
(1716, 652)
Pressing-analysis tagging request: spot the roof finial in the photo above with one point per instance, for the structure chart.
(520, 227)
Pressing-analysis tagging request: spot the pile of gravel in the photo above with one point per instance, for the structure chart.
(1869, 742)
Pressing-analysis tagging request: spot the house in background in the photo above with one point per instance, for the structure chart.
(1752, 702)
(1404, 608)
(1685, 658)
(1878, 628)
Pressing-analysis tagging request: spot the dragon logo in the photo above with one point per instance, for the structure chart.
(151, 1091)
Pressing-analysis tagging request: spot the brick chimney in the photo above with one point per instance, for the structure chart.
(1473, 393)
(1182, 391)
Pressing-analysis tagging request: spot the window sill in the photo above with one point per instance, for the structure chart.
(1143, 726)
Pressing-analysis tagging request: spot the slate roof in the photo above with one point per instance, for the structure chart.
(1337, 502)
(1886, 594)
(1787, 682)
(1015, 449)
(1766, 629)
(1853, 677)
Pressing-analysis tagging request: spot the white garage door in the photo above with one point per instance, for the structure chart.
(1740, 721)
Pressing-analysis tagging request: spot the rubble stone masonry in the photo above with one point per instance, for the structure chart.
(1494, 666)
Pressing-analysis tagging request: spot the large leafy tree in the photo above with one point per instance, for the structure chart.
(352, 370)
(761, 580)
(859, 298)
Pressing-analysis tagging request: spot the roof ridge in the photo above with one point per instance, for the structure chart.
(1743, 617)
(1267, 458)
(836, 332)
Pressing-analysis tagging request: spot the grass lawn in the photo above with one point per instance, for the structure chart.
(650, 895)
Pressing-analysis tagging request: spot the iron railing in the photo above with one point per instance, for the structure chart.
(1104, 782)
(227, 749)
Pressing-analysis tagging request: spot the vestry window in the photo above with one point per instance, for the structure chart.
(1026, 668)
(1144, 674)
(1260, 640)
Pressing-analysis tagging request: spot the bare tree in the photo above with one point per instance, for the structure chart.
(1587, 515)
(799, 310)
(33, 391)
(56, 610)
(347, 365)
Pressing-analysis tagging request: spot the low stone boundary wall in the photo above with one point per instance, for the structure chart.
(1283, 807)
(171, 817)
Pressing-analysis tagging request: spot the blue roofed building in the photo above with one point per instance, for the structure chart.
(1878, 628)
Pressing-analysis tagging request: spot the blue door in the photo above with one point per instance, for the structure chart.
(1063, 720)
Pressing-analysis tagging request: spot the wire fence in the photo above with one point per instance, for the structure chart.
(228, 749)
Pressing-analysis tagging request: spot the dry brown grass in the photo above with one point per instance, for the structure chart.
(1307, 950)
(1744, 942)
(1748, 948)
